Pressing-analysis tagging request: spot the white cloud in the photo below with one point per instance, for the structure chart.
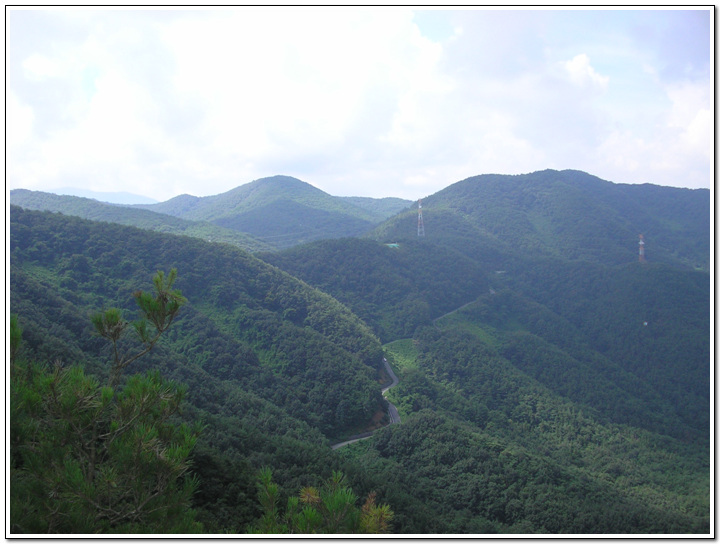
(39, 67)
(678, 152)
(357, 101)
(19, 119)
(297, 80)
(692, 117)
(582, 74)
(19, 125)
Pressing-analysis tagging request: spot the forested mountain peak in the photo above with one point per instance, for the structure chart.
(280, 210)
(177, 206)
(571, 215)
(253, 195)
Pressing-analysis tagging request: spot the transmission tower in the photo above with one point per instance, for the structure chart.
(421, 225)
(641, 250)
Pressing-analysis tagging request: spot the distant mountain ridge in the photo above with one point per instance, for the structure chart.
(88, 208)
(282, 210)
(269, 213)
(568, 214)
(257, 194)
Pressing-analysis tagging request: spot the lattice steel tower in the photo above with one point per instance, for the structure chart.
(421, 225)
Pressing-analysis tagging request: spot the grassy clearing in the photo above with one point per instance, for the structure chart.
(401, 354)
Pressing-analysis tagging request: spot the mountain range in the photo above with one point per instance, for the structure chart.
(550, 381)
(567, 214)
(274, 212)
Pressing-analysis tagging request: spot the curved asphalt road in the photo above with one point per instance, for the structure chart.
(392, 410)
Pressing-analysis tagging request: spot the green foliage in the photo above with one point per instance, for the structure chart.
(88, 208)
(330, 510)
(90, 459)
(250, 323)
(534, 398)
(158, 310)
(286, 223)
(575, 216)
(380, 208)
(472, 481)
(255, 195)
(607, 311)
(281, 211)
(85, 459)
(15, 337)
(387, 287)
(402, 354)
(465, 403)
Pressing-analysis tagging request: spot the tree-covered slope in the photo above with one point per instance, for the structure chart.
(394, 288)
(88, 208)
(253, 195)
(511, 424)
(245, 318)
(569, 215)
(286, 223)
(281, 210)
(644, 326)
(652, 319)
(540, 391)
(639, 333)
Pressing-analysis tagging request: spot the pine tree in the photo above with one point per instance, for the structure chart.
(330, 510)
(87, 458)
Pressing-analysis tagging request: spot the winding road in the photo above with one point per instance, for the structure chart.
(392, 410)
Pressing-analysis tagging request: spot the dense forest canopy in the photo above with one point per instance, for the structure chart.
(567, 214)
(88, 208)
(549, 382)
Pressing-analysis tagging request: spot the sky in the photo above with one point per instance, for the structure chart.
(356, 101)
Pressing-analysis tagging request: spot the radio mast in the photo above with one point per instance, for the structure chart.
(641, 250)
(421, 225)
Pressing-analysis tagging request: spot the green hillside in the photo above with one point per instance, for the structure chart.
(586, 372)
(643, 329)
(267, 214)
(542, 391)
(569, 215)
(281, 210)
(394, 289)
(267, 319)
(88, 208)
(286, 223)
(253, 195)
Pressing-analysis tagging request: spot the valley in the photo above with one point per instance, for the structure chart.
(522, 371)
